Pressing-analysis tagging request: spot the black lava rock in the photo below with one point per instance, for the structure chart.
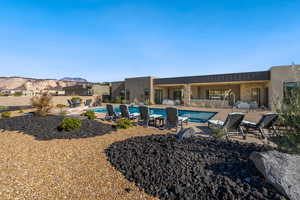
(47, 127)
(194, 168)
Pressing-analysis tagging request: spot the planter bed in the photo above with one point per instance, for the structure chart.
(195, 168)
(46, 128)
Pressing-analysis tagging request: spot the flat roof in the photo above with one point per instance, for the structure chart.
(244, 76)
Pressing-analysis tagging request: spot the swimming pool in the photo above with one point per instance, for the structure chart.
(193, 115)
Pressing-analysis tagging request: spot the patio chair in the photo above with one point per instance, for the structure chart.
(111, 114)
(70, 103)
(146, 117)
(88, 102)
(125, 113)
(173, 120)
(232, 124)
(267, 121)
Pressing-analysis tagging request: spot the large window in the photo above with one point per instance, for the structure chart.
(216, 94)
(290, 88)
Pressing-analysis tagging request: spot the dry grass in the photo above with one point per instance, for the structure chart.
(64, 169)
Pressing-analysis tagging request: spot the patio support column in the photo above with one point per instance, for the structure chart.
(187, 94)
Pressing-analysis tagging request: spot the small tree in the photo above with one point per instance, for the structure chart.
(42, 103)
(290, 117)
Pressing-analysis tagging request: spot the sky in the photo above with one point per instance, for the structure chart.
(109, 40)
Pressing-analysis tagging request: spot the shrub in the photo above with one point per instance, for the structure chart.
(70, 123)
(290, 119)
(3, 107)
(42, 103)
(124, 123)
(118, 99)
(17, 94)
(6, 114)
(218, 133)
(61, 106)
(90, 114)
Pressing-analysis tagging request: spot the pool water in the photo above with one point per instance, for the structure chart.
(194, 116)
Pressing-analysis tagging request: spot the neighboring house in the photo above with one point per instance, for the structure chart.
(88, 90)
(266, 88)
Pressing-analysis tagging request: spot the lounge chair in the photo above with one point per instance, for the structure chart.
(267, 121)
(125, 113)
(173, 120)
(146, 117)
(74, 103)
(111, 114)
(232, 124)
(70, 103)
(88, 102)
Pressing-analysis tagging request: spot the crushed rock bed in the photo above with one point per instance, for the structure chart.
(46, 128)
(195, 168)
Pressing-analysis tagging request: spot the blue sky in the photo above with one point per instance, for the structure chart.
(108, 40)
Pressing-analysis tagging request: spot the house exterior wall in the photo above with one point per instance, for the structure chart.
(136, 88)
(117, 88)
(280, 75)
(100, 90)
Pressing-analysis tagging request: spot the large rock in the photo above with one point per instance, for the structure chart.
(281, 170)
(185, 133)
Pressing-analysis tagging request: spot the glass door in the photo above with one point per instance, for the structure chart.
(158, 96)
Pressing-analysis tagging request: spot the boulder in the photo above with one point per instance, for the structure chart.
(185, 133)
(281, 170)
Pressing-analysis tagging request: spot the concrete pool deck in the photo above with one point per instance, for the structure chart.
(203, 130)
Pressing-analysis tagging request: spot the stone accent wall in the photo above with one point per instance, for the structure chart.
(187, 94)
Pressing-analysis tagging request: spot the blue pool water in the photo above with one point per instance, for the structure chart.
(194, 116)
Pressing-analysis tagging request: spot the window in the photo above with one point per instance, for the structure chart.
(216, 94)
(289, 89)
(255, 95)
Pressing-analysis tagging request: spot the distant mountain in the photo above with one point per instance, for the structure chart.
(76, 79)
(20, 83)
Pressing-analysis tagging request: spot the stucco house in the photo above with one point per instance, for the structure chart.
(266, 88)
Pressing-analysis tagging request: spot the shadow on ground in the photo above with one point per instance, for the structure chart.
(46, 128)
(195, 168)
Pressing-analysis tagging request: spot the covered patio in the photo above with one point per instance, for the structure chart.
(213, 95)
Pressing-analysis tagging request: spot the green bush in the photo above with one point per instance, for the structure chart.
(118, 100)
(3, 107)
(124, 124)
(5, 114)
(90, 115)
(218, 133)
(70, 123)
(289, 141)
(60, 106)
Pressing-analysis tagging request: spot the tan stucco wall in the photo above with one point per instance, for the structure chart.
(25, 100)
(279, 75)
(137, 86)
(100, 90)
(116, 88)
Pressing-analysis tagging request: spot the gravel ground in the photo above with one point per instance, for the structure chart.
(64, 168)
(46, 128)
(195, 168)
